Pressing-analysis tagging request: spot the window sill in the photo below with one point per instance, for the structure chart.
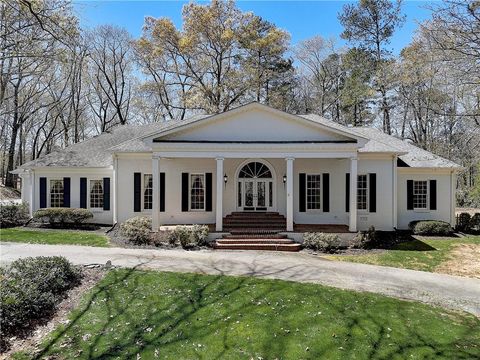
(96, 210)
(421, 210)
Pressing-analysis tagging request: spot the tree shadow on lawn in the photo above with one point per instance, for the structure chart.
(203, 316)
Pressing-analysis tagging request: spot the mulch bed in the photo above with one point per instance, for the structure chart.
(31, 338)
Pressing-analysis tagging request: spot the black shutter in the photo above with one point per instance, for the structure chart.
(409, 194)
(43, 192)
(162, 192)
(137, 192)
(347, 192)
(83, 192)
(302, 197)
(433, 194)
(208, 191)
(326, 192)
(106, 193)
(184, 191)
(66, 192)
(373, 193)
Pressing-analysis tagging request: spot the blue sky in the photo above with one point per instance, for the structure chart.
(302, 19)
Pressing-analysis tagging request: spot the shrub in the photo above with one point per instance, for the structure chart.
(366, 239)
(475, 221)
(13, 215)
(31, 288)
(430, 227)
(62, 216)
(322, 242)
(189, 236)
(463, 223)
(137, 230)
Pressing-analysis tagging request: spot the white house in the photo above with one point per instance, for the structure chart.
(254, 158)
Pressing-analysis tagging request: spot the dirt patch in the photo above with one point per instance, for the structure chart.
(30, 340)
(464, 261)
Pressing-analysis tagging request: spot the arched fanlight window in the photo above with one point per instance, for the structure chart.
(255, 170)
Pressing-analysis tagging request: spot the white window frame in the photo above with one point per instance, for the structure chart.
(321, 193)
(190, 191)
(427, 196)
(367, 200)
(143, 192)
(50, 191)
(89, 193)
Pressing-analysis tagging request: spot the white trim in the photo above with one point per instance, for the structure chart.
(367, 201)
(89, 206)
(306, 193)
(281, 154)
(190, 192)
(273, 179)
(394, 192)
(219, 195)
(247, 107)
(353, 194)
(427, 202)
(290, 192)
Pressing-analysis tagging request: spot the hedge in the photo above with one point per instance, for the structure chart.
(431, 227)
(63, 216)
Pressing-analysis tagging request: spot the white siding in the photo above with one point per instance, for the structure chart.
(444, 197)
(100, 216)
(256, 125)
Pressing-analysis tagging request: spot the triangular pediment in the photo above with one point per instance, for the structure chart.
(255, 122)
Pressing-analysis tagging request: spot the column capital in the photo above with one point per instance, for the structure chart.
(289, 158)
(219, 158)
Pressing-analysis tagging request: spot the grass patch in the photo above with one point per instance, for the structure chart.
(423, 253)
(53, 237)
(139, 314)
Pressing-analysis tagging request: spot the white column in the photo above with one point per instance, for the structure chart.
(115, 187)
(353, 194)
(155, 193)
(453, 198)
(32, 192)
(219, 206)
(394, 191)
(289, 194)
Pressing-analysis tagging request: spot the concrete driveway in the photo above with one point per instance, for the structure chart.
(444, 290)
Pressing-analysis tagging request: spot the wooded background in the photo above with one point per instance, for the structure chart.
(61, 84)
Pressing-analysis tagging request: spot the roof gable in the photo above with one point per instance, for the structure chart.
(256, 122)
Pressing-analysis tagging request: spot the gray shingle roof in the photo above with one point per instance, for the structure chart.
(414, 157)
(97, 151)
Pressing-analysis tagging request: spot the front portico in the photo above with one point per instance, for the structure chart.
(248, 181)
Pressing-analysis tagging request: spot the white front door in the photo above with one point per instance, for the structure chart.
(255, 194)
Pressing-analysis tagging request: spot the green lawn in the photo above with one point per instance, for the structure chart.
(135, 314)
(424, 253)
(53, 237)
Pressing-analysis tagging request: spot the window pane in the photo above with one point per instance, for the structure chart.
(56, 193)
(362, 190)
(197, 192)
(420, 193)
(96, 193)
(313, 192)
(270, 194)
(147, 191)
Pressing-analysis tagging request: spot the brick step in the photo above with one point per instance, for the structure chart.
(254, 213)
(255, 236)
(265, 224)
(271, 247)
(256, 240)
(258, 218)
(255, 232)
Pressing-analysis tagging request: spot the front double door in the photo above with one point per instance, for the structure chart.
(257, 194)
